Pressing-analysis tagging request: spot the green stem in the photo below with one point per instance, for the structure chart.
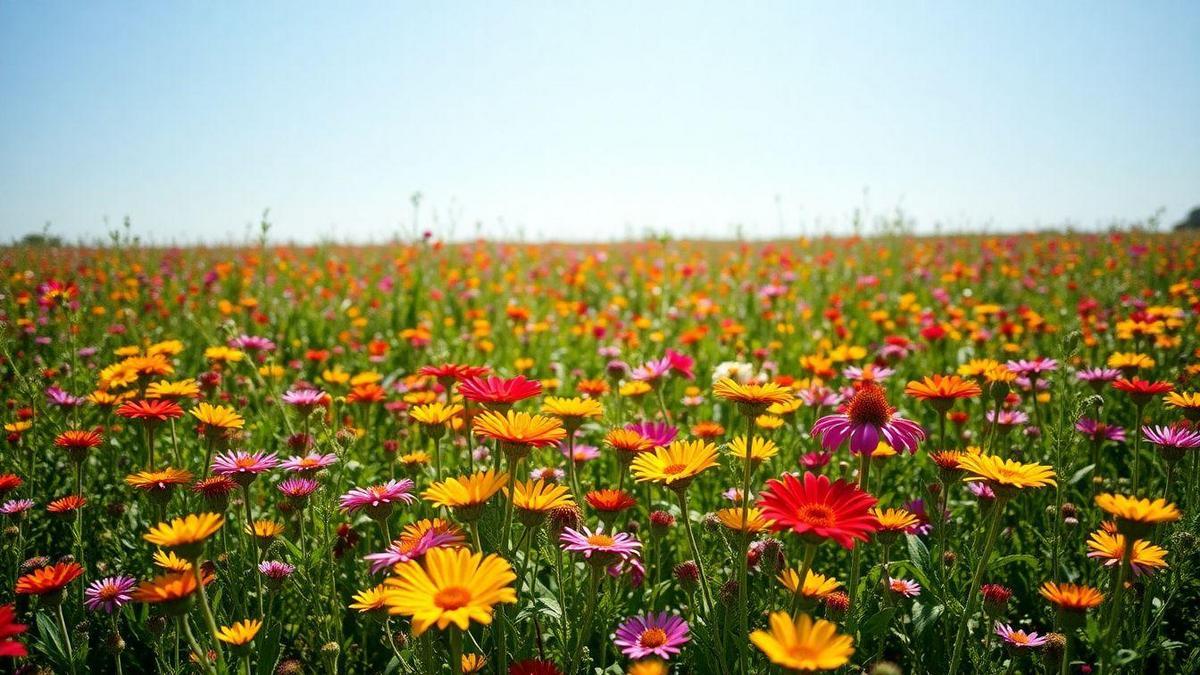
(585, 631)
(976, 578)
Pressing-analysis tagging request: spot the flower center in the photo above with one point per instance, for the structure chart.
(817, 515)
(653, 637)
(107, 592)
(452, 597)
(869, 406)
(245, 462)
(600, 540)
(674, 469)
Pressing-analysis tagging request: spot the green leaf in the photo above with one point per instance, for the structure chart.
(1081, 474)
(1013, 558)
(878, 623)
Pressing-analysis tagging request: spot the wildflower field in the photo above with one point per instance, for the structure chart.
(887, 455)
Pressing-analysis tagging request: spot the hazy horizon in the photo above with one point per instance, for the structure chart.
(593, 122)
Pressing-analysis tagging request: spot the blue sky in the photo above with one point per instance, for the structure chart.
(593, 121)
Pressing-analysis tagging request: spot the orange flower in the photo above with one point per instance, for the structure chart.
(49, 580)
(941, 391)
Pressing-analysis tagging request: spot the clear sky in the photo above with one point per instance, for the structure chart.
(592, 120)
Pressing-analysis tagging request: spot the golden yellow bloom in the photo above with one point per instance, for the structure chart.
(186, 535)
(520, 429)
(171, 562)
(264, 529)
(224, 354)
(413, 459)
(371, 600)
(434, 414)
(450, 586)
(634, 389)
(768, 422)
(648, 667)
(755, 522)
(1188, 402)
(473, 663)
(466, 491)
(675, 465)
(751, 398)
(816, 586)
(1110, 548)
(977, 367)
(1005, 473)
(803, 644)
(218, 416)
(895, 520)
(165, 348)
(539, 496)
(576, 408)
(760, 449)
(1129, 362)
(179, 389)
(240, 633)
(1134, 510)
(1071, 597)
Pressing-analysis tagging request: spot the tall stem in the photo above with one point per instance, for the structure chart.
(585, 631)
(743, 557)
(973, 591)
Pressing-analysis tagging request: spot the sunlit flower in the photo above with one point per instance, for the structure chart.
(818, 509)
(803, 644)
(1071, 597)
(866, 420)
(675, 465)
(452, 586)
(185, 535)
(599, 547)
(1019, 639)
(661, 635)
(378, 500)
(1145, 558)
(109, 594)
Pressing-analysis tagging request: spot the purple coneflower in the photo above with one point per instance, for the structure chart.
(243, 466)
(306, 400)
(1173, 441)
(109, 594)
(1007, 418)
(661, 635)
(865, 420)
(252, 343)
(276, 572)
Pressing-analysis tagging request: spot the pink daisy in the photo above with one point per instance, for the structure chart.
(243, 466)
(109, 594)
(599, 547)
(298, 488)
(904, 587)
(1019, 638)
(310, 463)
(661, 635)
(658, 433)
(379, 498)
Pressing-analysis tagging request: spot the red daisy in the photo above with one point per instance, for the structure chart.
(449, 372)
(65, 506)
(151, 410)
(498, 392)
(1141, 391)
(610, 501)
(77, 443)
(10, 482)
(817, 509)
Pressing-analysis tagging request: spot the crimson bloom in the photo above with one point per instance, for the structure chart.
(817, 509)
(9, 629)
(498, 392)
(1142, 391)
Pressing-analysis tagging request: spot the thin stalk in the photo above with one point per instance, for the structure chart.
(973, 591)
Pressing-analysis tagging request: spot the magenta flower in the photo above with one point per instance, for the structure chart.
(298, 488)
(61, 398)
(820, 397)
(1099, 432)
(1098, 377)
(252, 343)
(243, 466)
(1032, 369)
(109, 594)
(865, 420)
(276, 569)
(1019, 638)
(405, 549)
(651, 371)
(306, 400)
(598, 546)
(981, 491)
(661, 635)
(871, 373)
(16, 507)
(1172, 438)
(815, 460)
(1007, 418)
(682, 364)
(310, 463)
(380, 497)
(658, 433)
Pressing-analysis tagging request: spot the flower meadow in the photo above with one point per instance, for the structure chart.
(959, 454)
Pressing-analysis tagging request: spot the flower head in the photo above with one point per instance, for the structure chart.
(48, 580)
(599, 547)
(466, 494)
(109, 594)
(803, 644)
(185, 535)
(243, 466)
(378, 499)
(661, 635)
(817, 509)
(1005, 474)
(1071, 597)
(451, 586)
(865, 420)
(1019, 639)
(675, 465)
